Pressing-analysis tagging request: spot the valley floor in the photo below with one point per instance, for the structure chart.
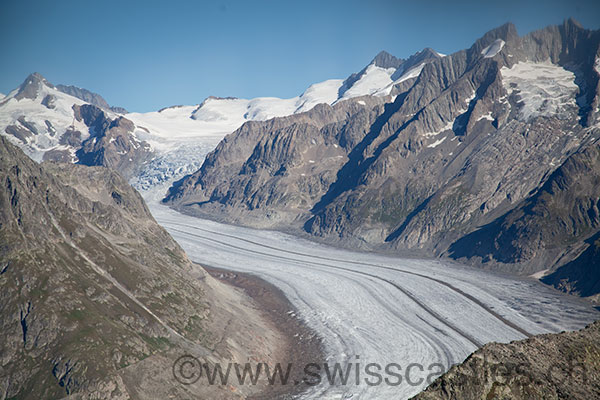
(414, 317)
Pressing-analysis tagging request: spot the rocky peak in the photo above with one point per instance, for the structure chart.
(506, 33)
(423, 56)
(30, 87)
(386, 60)
(572, 24)
(427, 52)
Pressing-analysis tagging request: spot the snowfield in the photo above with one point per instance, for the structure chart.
(493, 48)
(381, 308)
(543, 88)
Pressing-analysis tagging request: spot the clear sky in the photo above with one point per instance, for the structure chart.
(144, 55)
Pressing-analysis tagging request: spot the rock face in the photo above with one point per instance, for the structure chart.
(556, 366)
(299, 155)
(468, 139)
(111, 142)
(91, 285)
(550, 225)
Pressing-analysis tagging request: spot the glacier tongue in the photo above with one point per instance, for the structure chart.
(382, 309)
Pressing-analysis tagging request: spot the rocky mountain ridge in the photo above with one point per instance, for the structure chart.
(42, 119)
(90, 97)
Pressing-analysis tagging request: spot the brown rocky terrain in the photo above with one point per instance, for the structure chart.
(98, 301)
(553, 366)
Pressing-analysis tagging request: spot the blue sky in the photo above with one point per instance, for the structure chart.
(144, 55)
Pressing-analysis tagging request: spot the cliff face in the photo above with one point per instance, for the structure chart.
(111, 143)
(91, 286)
(472, 137)
(557, 366)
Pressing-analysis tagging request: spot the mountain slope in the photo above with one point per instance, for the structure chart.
(550, 225)
(464, 141)
(95, 295)
(554, 366)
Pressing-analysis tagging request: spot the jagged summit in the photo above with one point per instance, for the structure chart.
(31, 86)
(572, 22)
(385, 60)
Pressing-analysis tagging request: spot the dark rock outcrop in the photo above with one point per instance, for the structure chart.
(111, 143)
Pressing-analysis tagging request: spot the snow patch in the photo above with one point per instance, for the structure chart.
(373, 80)
(445, 128)
(437, 142)
(493, 48)
(411, 73)
(487, 116)
(539, 274)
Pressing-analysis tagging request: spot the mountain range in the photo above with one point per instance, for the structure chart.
(488, 156)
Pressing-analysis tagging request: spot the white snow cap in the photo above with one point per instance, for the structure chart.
(493, 48)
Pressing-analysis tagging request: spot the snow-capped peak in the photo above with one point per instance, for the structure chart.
(40, 118)
(493, 49)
